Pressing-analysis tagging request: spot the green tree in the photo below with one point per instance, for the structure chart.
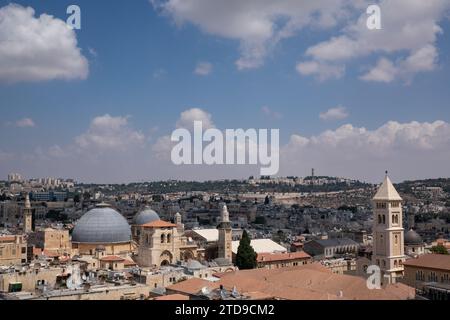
(440, 249)
(246, 255)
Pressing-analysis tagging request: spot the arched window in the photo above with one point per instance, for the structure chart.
(384, 219)
(395, 264)
(396, 239)
(163, 238)
(384, 263)
(148, 239)
(169, 238)
(393, 219)
(379, 218)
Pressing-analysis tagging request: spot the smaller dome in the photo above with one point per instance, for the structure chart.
(222, 262)
(194, 265)
(146, 216)
(412, 238)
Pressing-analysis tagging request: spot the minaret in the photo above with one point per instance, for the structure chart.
(179, 223)
(388, 242)
(225, 235)
(27, 216)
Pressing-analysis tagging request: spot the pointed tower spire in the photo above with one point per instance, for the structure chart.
(27, 202)
(225, 215)
(387, 191)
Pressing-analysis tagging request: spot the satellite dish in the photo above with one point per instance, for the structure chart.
(205, 291)
(235, 293)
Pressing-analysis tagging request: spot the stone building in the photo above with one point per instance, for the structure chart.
(430, 275)
(13, 250)
(162, 243)
(51, 240)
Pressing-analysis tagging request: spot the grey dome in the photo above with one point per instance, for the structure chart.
(102, 225)
(412, 237)
(146, 216)
(222, 262)
(195, 265)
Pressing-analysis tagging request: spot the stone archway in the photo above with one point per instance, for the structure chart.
(166, 258)
(188, 255)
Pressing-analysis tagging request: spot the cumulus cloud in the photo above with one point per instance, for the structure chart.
(410, 149)
(110, 133)
(338, 113)
(409, 32)
(422, 60)
(258, 25)
(188, 117)
(203, 68)
(25, 123)
(37, 48)
(270, 113)
(321, 71)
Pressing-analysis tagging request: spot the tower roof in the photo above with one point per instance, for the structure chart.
(27, 202)
(387, 192)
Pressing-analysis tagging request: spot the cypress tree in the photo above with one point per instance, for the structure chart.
(246, 256)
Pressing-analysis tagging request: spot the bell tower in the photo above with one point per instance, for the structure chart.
(388, 232)
(27, 216)
(225, 235)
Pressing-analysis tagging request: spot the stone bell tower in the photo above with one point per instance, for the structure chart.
(388, 232)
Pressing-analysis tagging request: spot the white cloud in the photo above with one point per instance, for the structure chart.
(203, 68)
(410, 150)
(37, 48)
(322, 71)
(188, 117)
(422, 60)
(159, 73)
(409, 30)
(107, 133)
(270, 113)
(25, 123)
(338, 113)
(258, 25)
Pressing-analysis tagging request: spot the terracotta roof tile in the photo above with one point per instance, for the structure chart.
(270, 257)
(159, 224)
(431, 261)
(112, 259)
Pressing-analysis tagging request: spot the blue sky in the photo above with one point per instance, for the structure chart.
(141, 67)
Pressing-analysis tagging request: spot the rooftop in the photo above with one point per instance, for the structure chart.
(430, 261)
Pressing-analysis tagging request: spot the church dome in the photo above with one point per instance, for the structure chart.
(413, 238)
(146, 216)
(102, 225)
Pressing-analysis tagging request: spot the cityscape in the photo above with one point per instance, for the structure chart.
(64, 240)
(224, 158)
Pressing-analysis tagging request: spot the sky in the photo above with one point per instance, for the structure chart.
(99, 104)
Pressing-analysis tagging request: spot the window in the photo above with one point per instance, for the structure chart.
(1, 252)
(163, 238)
(24, 250)
(169, 238)
(379, 218)
(384, 219)
(396, 239)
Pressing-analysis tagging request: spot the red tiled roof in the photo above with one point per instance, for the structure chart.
(7, 239)
(112, 259)
(430, 261)
(129, 263)
(159, 224)
(173, 297)
(269, 257)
